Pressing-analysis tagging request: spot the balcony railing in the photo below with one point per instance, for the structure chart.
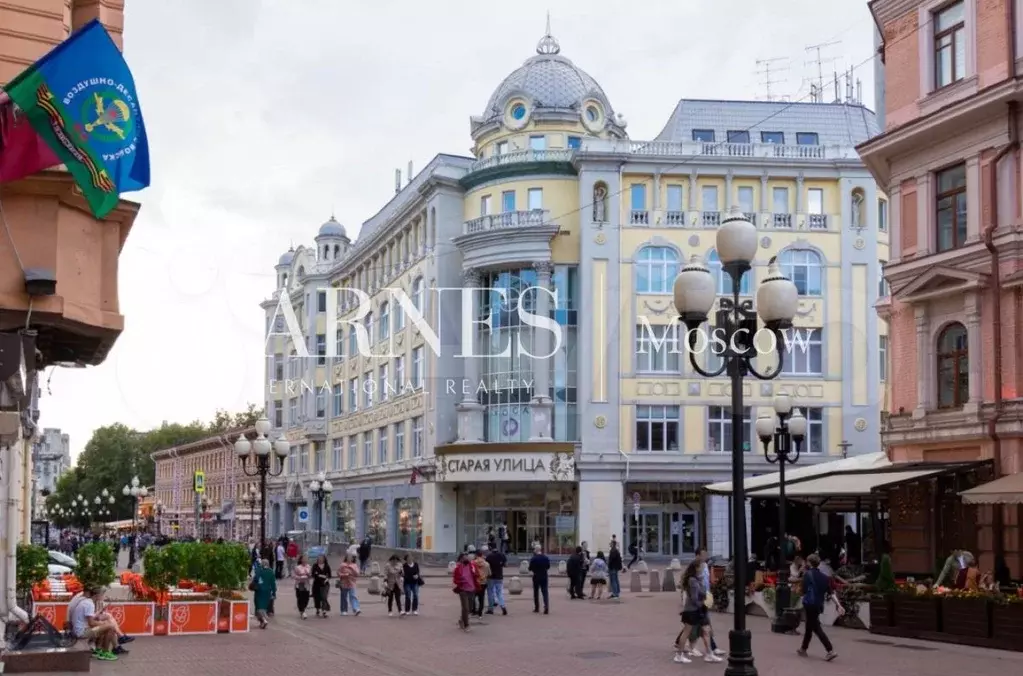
(509, 219)
(521, 156)
(817, 221)
(783, 221)
(750, 150)
(711, 219)
(639, 217)
(675, 218)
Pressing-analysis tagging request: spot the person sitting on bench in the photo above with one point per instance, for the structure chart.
(98, 632)
(104, 617)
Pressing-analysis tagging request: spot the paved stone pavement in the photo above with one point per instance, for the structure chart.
(595, 638)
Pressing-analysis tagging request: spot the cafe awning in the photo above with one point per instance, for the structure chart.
(1007, 490)
(868, 461)
(861, 484)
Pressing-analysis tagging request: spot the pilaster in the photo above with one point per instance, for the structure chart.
(973, 199)
(729, 196)
(800, 196)
(924, 362)
(974, 339)
(541, 404)
(924, 215)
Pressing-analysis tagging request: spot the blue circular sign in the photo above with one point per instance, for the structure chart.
(303, 514)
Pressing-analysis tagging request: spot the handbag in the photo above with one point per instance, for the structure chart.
(420, 581)
(253, 585)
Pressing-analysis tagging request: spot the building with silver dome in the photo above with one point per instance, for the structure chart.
(592, 423)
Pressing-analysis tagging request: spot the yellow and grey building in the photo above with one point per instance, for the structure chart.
(614, 433)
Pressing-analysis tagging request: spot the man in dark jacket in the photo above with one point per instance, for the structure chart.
(539, 566)
(614, 569)
(365, 549)
(495, 585)
(574, 568)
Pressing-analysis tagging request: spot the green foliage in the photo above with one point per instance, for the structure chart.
(32, 566)
(158, 572)
(222, 566)
(885, 582)
(228, 568)
(96, 565)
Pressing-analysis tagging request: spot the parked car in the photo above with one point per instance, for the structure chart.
(60, 563)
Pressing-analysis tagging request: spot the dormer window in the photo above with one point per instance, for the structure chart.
(772, 137)
(738, 136)
(807, 138)
(703, 135)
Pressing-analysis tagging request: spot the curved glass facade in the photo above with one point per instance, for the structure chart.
(506, 374)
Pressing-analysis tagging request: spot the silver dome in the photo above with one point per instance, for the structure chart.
(332, 229)
(550, 80)
(286, 257)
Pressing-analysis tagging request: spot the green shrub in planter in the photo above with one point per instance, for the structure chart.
(158, 574)
(227, 568)
(96, 565)
(32, 567)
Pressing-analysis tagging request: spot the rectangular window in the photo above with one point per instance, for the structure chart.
(803, 352)
(882, 215)
(399, 440)
(353, 395)
(339, 344)
(417, 367)
(399, 373)
(353, 452)
(383, 383)
(293, 411)
(740, 136)
(709, 198)
(657, 349)
(815, 201)
(535, 199)
(335, 454)
(399, 317)
(949, 44)
(772, 137)
(278, 415)
(951, 207)
(278, 367)
(321, 402)
(508, 201)
(574, 142)
(745, 195)
(674, 198)
(339, 400)
(353, 342)
(369, 388)
(637, 197)
(814, 430)
(703, 135)
(501, 148)
(657, 428)
(485, 205)
(321, 301)
(319, 456)
(321, 349)
(807, 138)
(882, 348)
(367, 449)
(384, 323)
(719, 428)
(882, 283)
(417, 437)
(538, 143)
(292, 455)
(383, 442)
(303, 458)
(780, 200)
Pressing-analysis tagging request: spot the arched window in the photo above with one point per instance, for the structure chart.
(723, 280)
(803, 267)
(953, 367)
(656, 269)
(417, 294)
(385, 321)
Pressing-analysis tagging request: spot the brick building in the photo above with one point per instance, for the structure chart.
(949, 158)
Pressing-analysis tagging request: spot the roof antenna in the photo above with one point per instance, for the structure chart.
(766, 72)
(820, 62)
(548, 45)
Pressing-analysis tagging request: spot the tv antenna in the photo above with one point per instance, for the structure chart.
(766, 68)
(817, 93)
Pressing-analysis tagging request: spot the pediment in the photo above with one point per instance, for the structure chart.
(294, 490)
(940, 280)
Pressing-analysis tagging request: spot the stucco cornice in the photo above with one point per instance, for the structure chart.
(886, 11)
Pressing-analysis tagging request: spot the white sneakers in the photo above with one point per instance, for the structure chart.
(682, 659)
(415, 612)
(344, 614)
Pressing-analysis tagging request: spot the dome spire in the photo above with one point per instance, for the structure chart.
(548, 43)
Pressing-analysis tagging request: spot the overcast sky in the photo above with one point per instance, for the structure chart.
(266, 115)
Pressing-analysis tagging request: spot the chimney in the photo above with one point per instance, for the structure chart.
(410, 171)
(397, 181)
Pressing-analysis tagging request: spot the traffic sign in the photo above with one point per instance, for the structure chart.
(303, 515)
(199, 482)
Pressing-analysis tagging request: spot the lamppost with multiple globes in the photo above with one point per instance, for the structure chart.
(135, 491)
(263, 466)
(737, 325)
(786, 429)
(249, 499)
(319, 489)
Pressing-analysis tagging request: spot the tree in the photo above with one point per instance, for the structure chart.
(225, 422)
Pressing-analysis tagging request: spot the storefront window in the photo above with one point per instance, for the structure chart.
(527, 512)
(344, 520)
(667, 521)
(375, 517)
(410, 523)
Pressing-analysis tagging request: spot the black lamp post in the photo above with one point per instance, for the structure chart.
(262, 449)
(737, 326)
(787, 428)
(158, 509)
(204, 517)
(319, 489)
(249, 500)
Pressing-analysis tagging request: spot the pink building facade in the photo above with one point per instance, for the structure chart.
(229, 513)
(949, 158)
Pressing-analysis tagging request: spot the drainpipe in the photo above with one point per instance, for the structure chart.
(9, 493)
(996, 308)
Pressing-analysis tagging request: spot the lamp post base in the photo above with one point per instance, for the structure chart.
(786, 618)
(740, 654)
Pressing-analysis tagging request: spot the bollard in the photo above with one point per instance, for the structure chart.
(374, 568)
(515, 586)
(523, 567)
(451, 566)
(635, 582)
(643, 568)
(676, 564)
(562, 568)
(374, 585)
(669, 581)
(655, 580)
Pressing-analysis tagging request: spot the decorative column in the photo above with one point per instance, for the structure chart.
(973, 343)
(470, 411)
(657, 191)
(729, 197)
(694, 204)
(924, 363)
(541, 405)
(800, 199)
(765, 206)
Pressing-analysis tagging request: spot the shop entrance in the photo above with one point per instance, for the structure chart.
(665, 533)
(531, 512)
(525, 526)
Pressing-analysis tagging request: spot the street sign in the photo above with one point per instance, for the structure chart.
(199, 482)
(303, 515)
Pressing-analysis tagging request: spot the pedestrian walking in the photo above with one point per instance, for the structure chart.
(598, 576)
(539, 567)
(412, 581)
(464, 581)
(303, 585)
(694, 614)
(614, 568)
(280, 554)
(816, 587)
(348, 575)
(634, 550)
(321, 585)
(482, 569)
(291, 552)
(574, 569)
(264, 588)
(394, 578)
(365, 549)
(495, 585)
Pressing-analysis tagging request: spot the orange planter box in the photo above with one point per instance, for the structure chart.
(53, 611)
(136, 618)
(191, 617)
(240, 611)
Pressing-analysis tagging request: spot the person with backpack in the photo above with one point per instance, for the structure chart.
(634, 551)
(816, 588)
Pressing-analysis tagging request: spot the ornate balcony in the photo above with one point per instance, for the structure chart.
(509, 219)
(518, 163)
(514, 237)
(723, 150)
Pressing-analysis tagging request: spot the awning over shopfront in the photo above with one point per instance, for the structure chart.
(870, 461)
(1008, 490)
(860, 484)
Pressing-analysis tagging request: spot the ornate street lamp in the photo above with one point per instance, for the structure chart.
(261, 447)
(319, 489)
(787, 429)
(737, 324)
(135, 491)
(250, 499)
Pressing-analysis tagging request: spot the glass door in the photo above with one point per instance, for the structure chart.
(650, 529)
(684, 535)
